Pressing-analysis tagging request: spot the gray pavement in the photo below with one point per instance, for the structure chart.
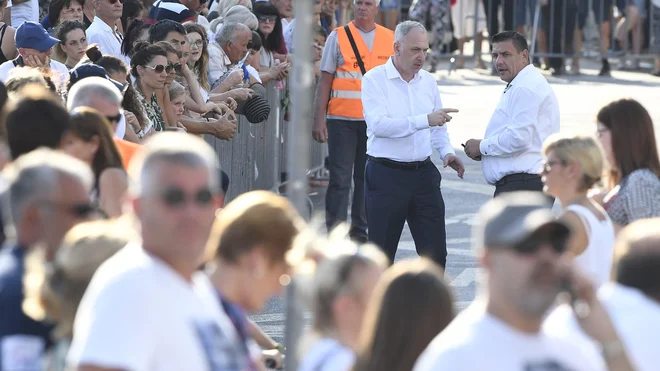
(475, 93)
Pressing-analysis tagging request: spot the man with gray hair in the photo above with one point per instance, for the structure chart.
(230, 46)
(102, 95)
(48, 193)
(349, 53)
(148, 307)
(405, 122)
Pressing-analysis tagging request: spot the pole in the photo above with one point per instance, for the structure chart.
(299, 155)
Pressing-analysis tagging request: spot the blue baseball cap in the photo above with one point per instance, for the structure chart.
(92, 70)
(33, 35)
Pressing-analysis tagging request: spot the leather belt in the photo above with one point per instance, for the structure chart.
(400, 165)
(518, 177)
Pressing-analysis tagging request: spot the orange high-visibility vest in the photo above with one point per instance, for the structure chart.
(346, 94)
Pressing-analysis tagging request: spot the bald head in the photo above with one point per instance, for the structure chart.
(637, 257)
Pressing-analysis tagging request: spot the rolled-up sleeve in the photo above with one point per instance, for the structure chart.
(518, 134)
(439, 135)
(376, 115)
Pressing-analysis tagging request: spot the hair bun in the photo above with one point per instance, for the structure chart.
(93, 53)
(141, 45)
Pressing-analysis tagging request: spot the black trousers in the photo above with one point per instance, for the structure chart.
(347, 155)
(560, 20)
(396, 195)
(520, 182)
(491, 7)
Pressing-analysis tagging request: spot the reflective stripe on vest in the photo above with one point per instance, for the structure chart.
(345, 98)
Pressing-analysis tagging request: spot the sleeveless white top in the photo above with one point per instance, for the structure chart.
(596, 260)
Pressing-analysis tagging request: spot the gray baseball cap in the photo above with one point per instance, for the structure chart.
(513, 217)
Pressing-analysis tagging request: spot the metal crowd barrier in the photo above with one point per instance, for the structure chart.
(549, 25)
(256, 157)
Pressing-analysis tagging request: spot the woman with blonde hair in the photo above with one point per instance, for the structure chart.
(411, 301)
(53, 290)
(572, 167)
(343, 279)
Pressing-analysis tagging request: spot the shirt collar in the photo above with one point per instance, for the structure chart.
(392, 73)
(522, 75)
(104, 26)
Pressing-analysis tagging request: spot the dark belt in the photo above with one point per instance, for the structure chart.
(518, 177)
(400, 165)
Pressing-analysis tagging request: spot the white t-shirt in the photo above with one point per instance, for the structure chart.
(27, 11)
(327, 355)
(59, 71)
(479, 341)
(636, 319)
(139, 315)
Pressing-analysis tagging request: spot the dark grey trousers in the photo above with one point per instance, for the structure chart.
(347, 155)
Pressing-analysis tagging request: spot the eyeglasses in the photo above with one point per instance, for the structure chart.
(197, 44)
(267, 18)
(601, 130)
(80, 211)
(532, 245)
(176, 67)
(175, 197)
(547, 167)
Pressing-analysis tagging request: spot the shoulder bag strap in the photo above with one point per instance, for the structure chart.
(355, 49)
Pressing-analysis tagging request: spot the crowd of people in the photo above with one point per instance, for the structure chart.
(119, 252)
(626, 28)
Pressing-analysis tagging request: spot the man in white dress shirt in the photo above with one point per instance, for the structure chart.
(405, 121)
(527, 114)
(103, 30)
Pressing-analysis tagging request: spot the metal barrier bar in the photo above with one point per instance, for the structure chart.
(550, 25)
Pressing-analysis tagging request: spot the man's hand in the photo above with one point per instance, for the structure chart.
(224, 127)
(455, 163)
(439, 117)
(472, 149)
(231, 103)
(36, 62)
(241, 94)
(320, 130)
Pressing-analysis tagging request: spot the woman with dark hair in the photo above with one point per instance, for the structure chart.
(270, 30)
(136, 119)
(149, 66)
(137, 31)
(412, 301)
(73, 43)
(133, 10)
(91, 141)
(625, 130)
(65, 10)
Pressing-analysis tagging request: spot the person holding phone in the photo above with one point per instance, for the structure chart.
(35, 46)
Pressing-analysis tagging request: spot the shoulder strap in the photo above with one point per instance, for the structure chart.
(355, 49)
(4, 29)
(583, 213)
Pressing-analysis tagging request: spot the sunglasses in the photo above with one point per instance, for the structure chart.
(177, 68)
(532, 245)
(115, 119)
(175, 197)
(81, 211)
(113, 2)
(267, 18)
(547, 167)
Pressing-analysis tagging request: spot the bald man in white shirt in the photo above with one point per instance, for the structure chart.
(405, 121)
(527, 114)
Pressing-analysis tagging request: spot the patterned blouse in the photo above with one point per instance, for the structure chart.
(636, 197)
(153, 110)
